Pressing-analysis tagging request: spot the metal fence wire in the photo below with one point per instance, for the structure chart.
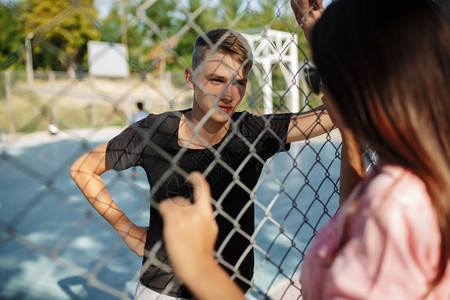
(54, 245)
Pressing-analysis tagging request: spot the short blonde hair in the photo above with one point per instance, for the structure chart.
(225, 41)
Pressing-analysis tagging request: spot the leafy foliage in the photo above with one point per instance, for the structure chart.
(61, 30)
(11, 33)
(155, 32)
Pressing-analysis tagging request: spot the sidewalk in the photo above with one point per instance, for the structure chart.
(42, 137)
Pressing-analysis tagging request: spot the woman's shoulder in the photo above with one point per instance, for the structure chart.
(397, 201)
(395, 186)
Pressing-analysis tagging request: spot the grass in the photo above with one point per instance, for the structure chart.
(32, 112)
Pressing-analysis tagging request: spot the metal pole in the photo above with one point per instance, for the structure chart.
(29, 61)
(12, 127)
(123, 22)
(54, 114)
(267, 88)
(294, 95)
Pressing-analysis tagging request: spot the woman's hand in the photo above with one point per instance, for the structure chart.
(307, 13)
(190, 231)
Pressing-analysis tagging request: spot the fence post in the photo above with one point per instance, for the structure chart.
(54, 114)
(267, 88)
(148, 92)
(29, 60)
(12, 128)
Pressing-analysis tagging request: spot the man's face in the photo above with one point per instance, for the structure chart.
(219, 85)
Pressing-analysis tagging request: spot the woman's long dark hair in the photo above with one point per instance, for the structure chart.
(387, 66)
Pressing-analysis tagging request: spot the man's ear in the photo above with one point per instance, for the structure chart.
(188, 74)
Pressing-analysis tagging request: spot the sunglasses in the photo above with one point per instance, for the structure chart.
(313, 80)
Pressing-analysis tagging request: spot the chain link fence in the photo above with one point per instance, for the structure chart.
(54, 245)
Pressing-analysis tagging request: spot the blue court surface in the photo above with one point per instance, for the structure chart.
(54, 245)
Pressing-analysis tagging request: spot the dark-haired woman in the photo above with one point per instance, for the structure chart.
(385, 69)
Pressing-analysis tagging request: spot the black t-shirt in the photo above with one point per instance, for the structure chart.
(232, 168)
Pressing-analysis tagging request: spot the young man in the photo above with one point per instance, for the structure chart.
(229, 148)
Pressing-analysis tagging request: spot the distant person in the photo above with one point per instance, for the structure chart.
(140, 114)
(385, 67)
(137, 116)
(227, 146)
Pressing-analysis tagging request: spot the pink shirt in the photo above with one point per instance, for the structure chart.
(393, 246)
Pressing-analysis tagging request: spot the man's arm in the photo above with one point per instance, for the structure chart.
(317, 121)
(86, 172)
(309, 124)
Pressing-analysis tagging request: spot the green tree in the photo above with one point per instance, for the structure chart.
(144, 28)
(147, 27)
(119, 27)
(198, 17)
(11, 34)
(61, 30)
